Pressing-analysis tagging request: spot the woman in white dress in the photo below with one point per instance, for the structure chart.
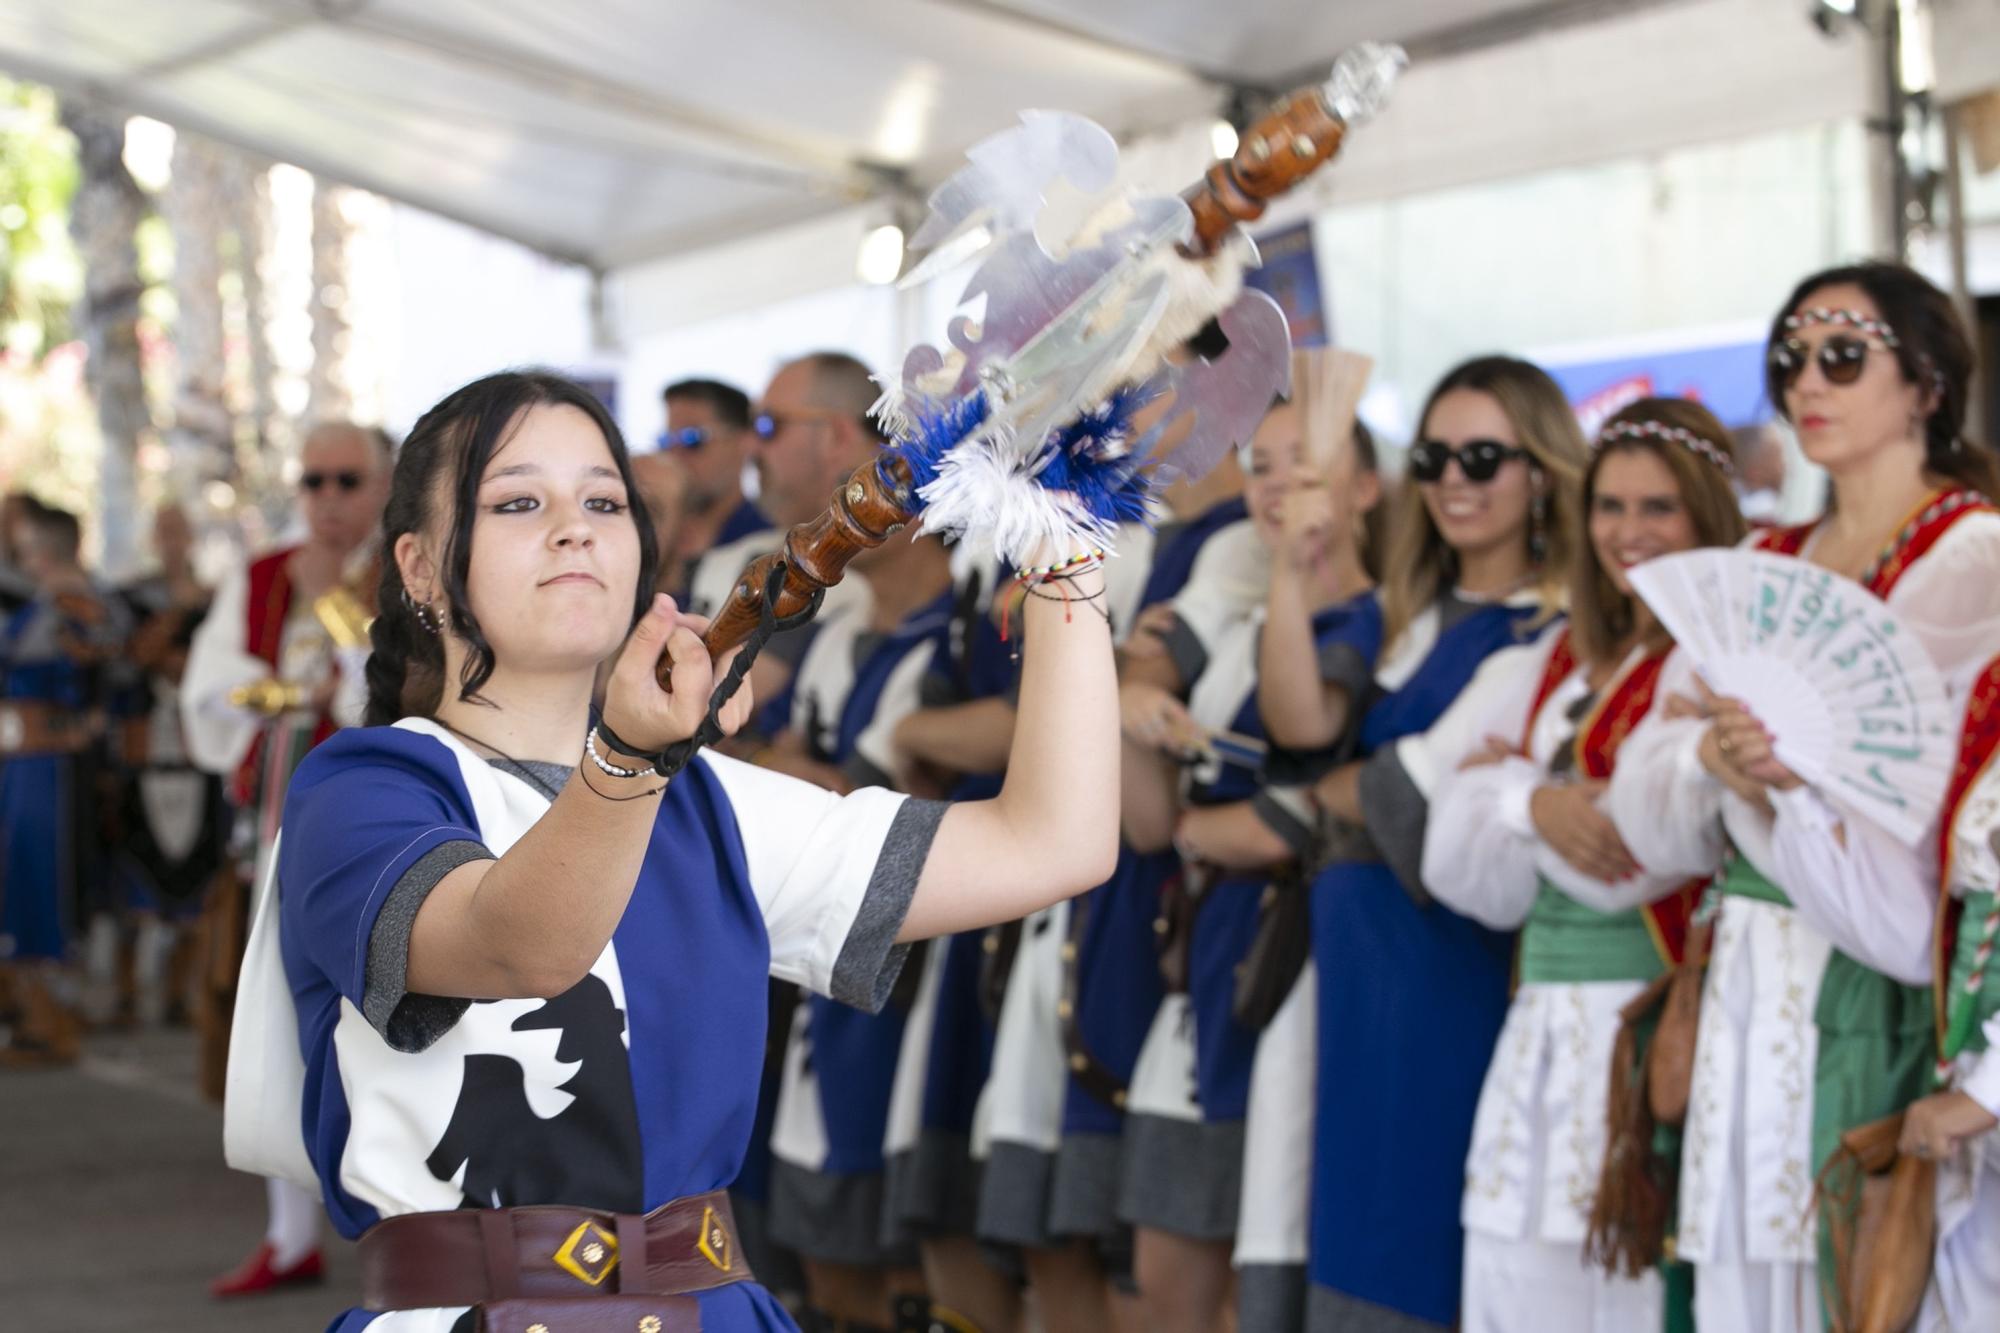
(1518, 840)
(1810, 1024)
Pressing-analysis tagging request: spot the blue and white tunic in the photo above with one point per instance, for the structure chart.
(635, 1087)
(933, 1181)
(1410, 996)
(854, 685)
(1191, 1088)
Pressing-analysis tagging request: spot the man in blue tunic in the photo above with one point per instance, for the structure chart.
(53, 649)
(861, 676)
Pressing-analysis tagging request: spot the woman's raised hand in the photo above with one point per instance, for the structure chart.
(651, 718)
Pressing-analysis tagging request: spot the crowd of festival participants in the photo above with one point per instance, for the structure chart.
(1466, 963)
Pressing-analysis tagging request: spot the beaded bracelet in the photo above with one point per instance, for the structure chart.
(607, 796)
(590, 748)
(1044, 573)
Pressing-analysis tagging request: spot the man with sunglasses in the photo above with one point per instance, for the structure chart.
(266, 680)
(706, 445)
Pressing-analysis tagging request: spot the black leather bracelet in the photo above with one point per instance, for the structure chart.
(655, 759)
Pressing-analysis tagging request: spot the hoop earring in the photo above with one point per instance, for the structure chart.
(432, 622)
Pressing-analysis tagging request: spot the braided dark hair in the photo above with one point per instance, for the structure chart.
(1934, 353)
(444, 459)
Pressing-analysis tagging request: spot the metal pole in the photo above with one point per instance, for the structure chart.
(1895, 104)
(1961, 291)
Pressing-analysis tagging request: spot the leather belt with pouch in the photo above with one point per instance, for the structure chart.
(569, 1270)
(997, 949)
(1091, 1074)
(1181, 899)
(1277, 952)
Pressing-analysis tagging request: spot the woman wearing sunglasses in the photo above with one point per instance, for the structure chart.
(1411, 994)
(1813, 1017)
(1518, 840)
(527, 969)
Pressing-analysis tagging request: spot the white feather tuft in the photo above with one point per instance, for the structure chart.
(994, 503)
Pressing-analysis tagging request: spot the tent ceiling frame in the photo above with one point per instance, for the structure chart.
(722, 140)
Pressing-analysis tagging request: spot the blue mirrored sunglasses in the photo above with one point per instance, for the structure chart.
(688, 437)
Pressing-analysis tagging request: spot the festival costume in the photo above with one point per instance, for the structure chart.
(933, 1181)
(1410, 999)
(173, 816)
(1085, 982)
(1802, 1033)
(1191, 1089)
(1587, 949)
(418, 1103)
(827, 1187)
(257, 630)
(49, 681)
(1965, 1291)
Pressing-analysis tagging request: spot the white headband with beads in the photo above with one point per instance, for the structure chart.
(1660, 430)
(1852, 319)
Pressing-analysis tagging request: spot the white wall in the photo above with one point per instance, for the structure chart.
(1690, 237)
(745, 347)
(465, 304)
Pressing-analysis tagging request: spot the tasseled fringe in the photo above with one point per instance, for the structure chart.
(1879, 1212)
(1628, 1218)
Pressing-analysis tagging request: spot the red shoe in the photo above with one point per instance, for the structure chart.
(258, 1274)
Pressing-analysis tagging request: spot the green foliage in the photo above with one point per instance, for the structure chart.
(40, 276)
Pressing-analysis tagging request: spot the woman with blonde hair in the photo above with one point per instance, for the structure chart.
(1411, 994)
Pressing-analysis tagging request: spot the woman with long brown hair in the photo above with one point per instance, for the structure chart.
(1518, 840)
(530, 971)
(1815, 1015)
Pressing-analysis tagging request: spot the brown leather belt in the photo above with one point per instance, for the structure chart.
(471, 1256)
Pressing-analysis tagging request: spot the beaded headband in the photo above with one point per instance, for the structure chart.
(1660, 430)
(1852, 319)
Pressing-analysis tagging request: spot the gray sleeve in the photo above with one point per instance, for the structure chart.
(1287, 813)
(410, 1023)
(1190, 656)
(1342, 665)
(870, 960)
(1395, 813)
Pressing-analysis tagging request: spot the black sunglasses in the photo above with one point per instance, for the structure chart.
(347, 481)
(1842, 358)
(1479, 460)
(687, 437)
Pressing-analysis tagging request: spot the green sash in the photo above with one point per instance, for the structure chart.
(1967, 1031)
(1565, 942)
(1740, 879)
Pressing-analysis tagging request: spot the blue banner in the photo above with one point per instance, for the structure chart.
(1290, 276)
(1728, 380)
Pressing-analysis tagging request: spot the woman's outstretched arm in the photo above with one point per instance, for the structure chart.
(1052, 832)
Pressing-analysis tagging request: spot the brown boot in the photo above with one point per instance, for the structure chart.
(49, 1034)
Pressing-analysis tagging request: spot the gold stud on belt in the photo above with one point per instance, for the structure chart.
(714, 1242)
(589, 1254)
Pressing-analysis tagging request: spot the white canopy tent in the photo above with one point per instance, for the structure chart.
(710, 159)
(613, 132)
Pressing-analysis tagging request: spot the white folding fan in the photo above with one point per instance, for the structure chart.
(1853, 701)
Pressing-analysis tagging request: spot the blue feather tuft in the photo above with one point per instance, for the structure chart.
(937, 429)
(1092, 459)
